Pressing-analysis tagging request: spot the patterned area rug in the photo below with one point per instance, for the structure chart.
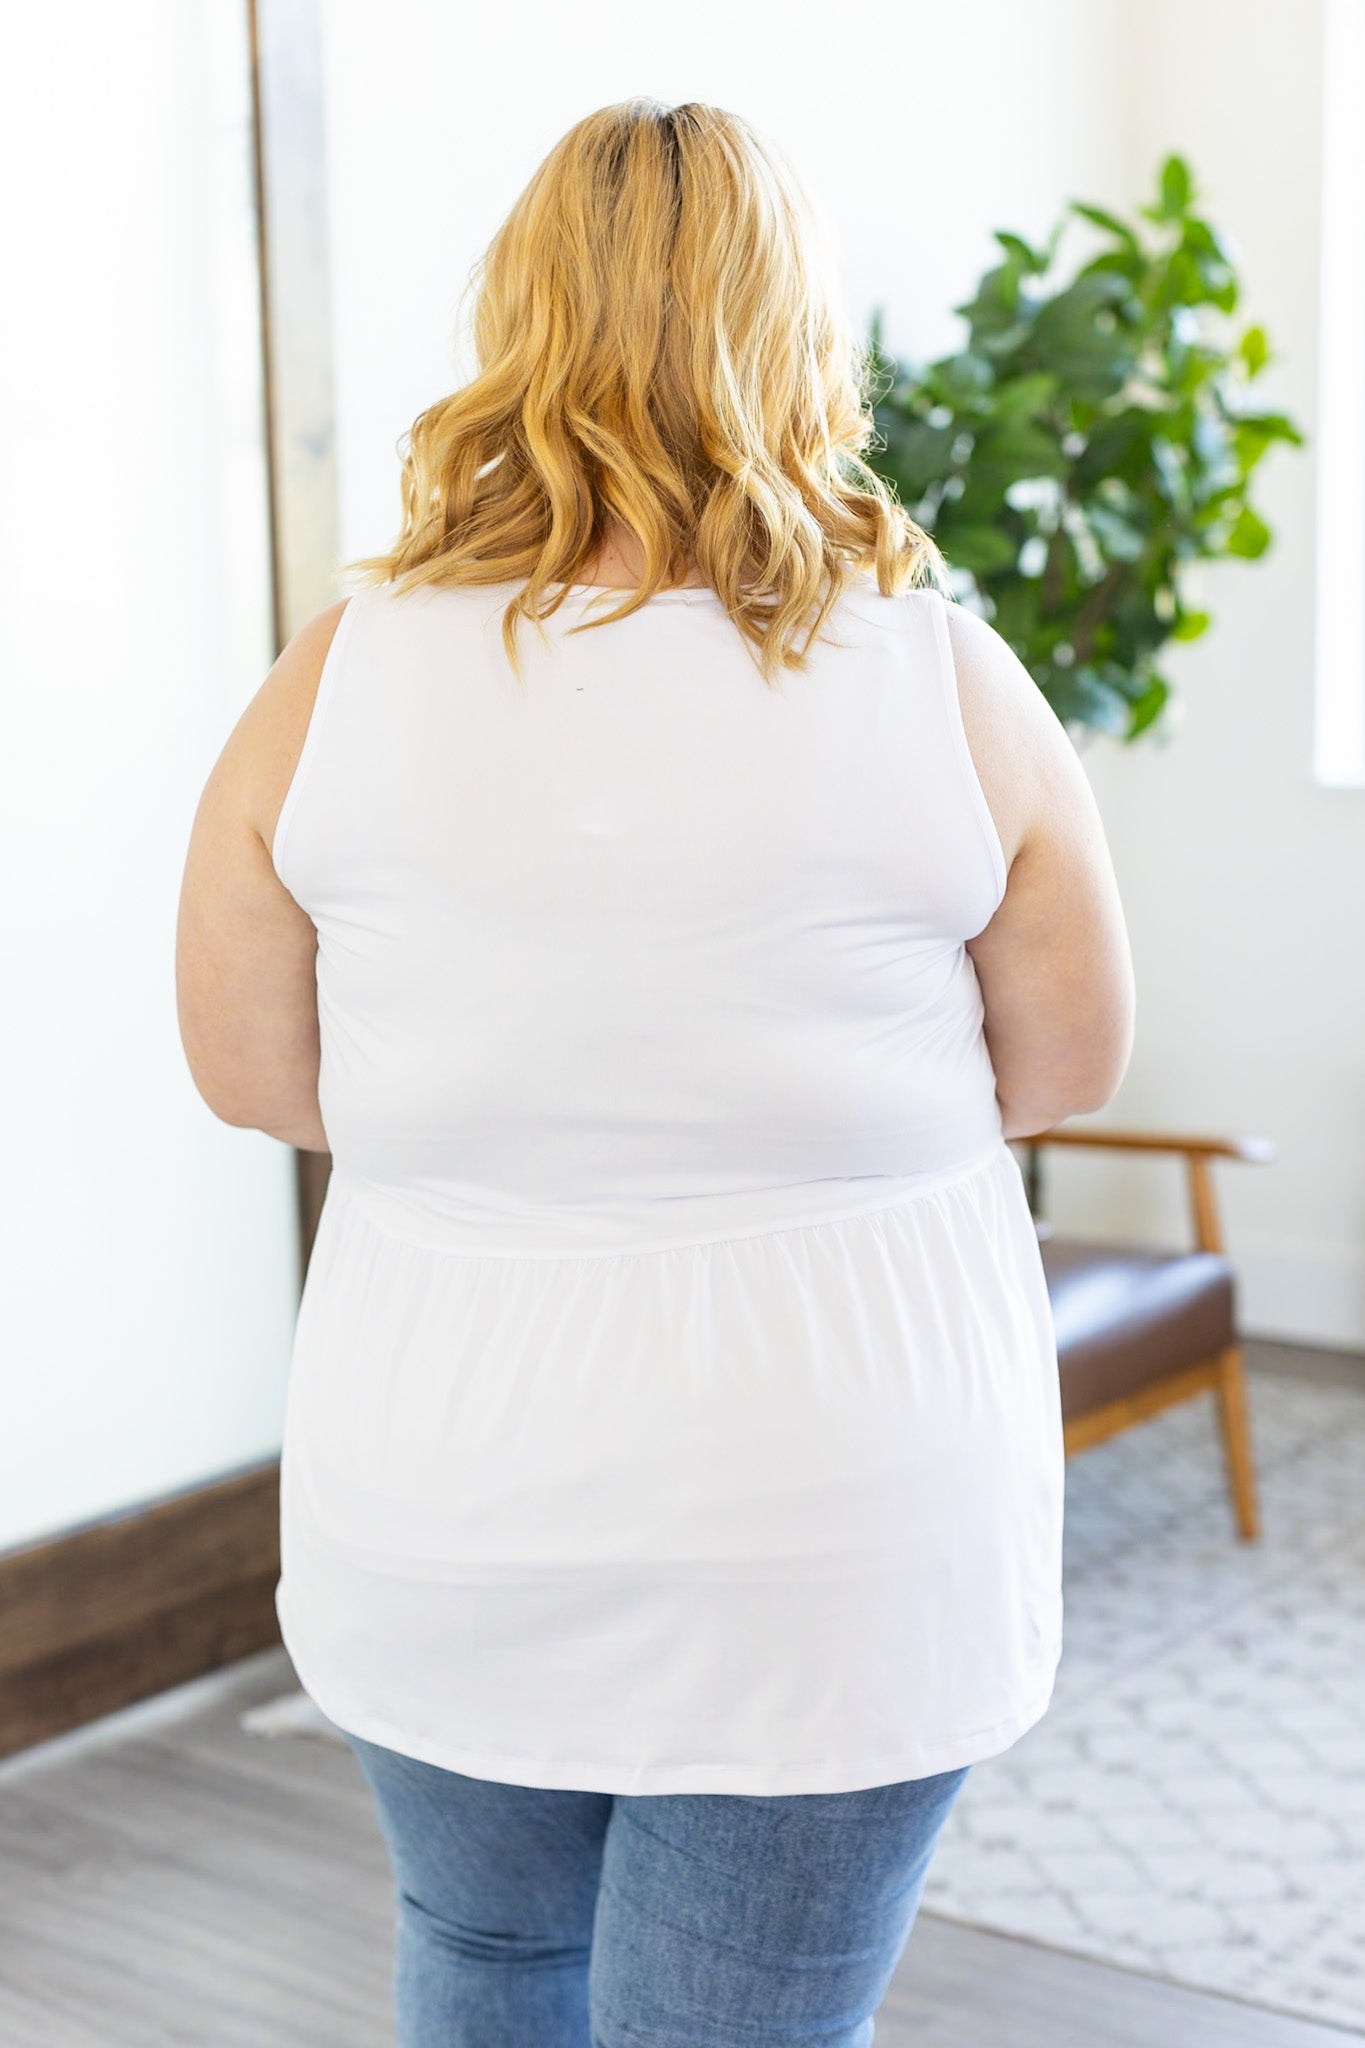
(1193, 1803)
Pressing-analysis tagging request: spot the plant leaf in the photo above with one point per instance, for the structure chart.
(981, 549)
(1254, 432)
(1033, 260)
(1109, 221)
(965, 375)
(917, 454)
(1249, 536)
(1023, 398)
(1254, 350)
(1177, 187)
(1146, 709)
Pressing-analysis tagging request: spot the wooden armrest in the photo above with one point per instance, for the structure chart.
(1252, 1151)
(1196, 1152)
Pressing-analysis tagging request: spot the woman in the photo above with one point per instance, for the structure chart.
(672, 1477)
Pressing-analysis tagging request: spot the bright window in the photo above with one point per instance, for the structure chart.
(1339, 727)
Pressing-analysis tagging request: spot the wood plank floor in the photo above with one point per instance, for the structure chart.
(167, 1881)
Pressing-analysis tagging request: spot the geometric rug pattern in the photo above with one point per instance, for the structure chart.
(1192, 1805)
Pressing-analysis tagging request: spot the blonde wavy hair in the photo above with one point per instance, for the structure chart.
(660, 344)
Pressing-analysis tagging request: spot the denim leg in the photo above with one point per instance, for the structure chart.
(495, 1887)
(726, 1918)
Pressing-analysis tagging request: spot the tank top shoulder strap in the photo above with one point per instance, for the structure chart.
(323, 702)
(935, 606)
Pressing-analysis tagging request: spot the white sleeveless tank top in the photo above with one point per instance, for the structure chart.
(674, 1398)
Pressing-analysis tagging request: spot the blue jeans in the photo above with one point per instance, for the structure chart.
(547, 1919)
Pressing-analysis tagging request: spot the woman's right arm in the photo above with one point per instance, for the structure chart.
(1054, 962)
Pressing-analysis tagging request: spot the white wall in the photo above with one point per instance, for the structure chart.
(149, 1252)
(1243, 880)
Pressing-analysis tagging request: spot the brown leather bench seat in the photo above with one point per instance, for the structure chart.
(1125, 1316)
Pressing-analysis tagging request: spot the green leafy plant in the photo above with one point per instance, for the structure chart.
(1091, 439)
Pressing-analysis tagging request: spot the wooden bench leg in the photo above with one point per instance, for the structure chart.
(1232, 1416)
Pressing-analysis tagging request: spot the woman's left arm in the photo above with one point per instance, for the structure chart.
(245, 972)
